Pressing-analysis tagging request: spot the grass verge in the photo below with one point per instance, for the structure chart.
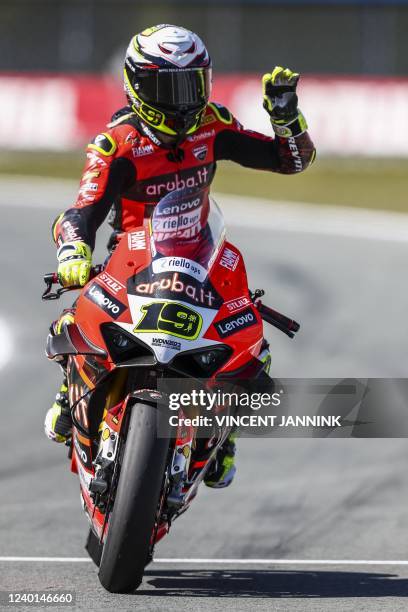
(365, 183)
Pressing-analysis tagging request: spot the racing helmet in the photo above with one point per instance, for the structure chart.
(168, 79)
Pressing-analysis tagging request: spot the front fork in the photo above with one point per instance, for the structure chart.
(180, 464)
(186, 472)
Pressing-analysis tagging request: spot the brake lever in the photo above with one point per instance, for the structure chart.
(52, 279)
(47, 295)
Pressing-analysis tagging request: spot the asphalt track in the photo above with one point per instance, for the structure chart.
(293, 500)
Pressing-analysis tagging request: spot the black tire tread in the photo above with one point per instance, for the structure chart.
(126, 548)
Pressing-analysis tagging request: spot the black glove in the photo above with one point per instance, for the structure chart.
(281, 102)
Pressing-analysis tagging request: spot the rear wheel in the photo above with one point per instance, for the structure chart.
(127, 544)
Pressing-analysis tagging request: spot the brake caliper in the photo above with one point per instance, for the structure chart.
(99, 486)
(179, 466)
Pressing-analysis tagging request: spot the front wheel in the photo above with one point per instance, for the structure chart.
(127, 544)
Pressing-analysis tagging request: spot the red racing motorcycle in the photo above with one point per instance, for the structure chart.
(172, 301)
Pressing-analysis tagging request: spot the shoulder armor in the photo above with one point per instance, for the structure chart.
(221, 113)
(103, 143)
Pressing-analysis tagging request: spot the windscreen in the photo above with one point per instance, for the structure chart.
(186, 225)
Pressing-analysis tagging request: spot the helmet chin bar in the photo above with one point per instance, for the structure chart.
(162, 139)
(170, 137)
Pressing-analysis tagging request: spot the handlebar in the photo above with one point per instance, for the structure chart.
(51, 279)
(273, 317)
(278, 320)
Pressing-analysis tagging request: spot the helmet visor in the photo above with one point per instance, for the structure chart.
(173, 88)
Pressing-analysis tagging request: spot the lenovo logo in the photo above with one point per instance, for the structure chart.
(235, 323)
(109, 304)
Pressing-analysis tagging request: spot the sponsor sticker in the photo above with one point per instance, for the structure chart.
(196, 177)
(70, 231)
(107, 302)
(235, 323)
(83, 453)
(201, 135)
(238, 303)
(132, 138)
(183, 220)
(180, 286)
(109, 281)
(164, 227)
(142, 150)
(89, 187)
(295, 154)
(200, 152)
(137, 240)
(229, 259)
(165, 343)
(179, 264)
(176, 209)
(90, 174)
(95, 159)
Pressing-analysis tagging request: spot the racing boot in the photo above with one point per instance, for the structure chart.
(58, 421)
(223, 470)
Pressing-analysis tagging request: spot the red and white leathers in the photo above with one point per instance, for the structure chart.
(129, 170)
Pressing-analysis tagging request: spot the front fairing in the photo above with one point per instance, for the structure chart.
(173, 295)
(172, 301)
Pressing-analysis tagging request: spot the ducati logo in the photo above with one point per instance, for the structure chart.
(200, 152)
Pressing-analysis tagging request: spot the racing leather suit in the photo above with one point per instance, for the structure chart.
(128, 170)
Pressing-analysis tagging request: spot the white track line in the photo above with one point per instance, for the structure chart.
(58, 194)
(284, 561)
(46, 559)
(5, 344)
(221, 561)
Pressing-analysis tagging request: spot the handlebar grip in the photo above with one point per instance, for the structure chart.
(51, 279)
(278, 320)
(290, 324)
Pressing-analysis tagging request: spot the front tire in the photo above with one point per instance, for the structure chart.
(127, 544)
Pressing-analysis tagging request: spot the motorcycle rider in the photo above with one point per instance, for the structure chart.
(169, 136)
